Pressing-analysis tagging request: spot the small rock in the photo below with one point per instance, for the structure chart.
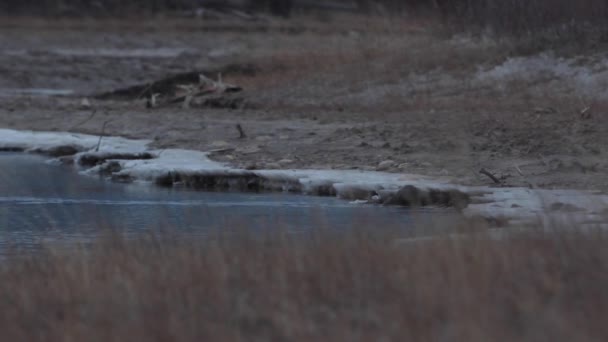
(404, 166)
(412, 196)
(263, 138)
(357, 193)
(401, 147)
(220, 143)
(110, 167)
(85, 103)
(353, 34)
(284, 162)
(408, 195)
(67, 160)
(379, 144)
(249, 149)
(385, 165)
(564, 207)
(63, 150)
(223, 53)
(272, 166)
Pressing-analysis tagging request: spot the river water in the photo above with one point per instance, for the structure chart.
(41, 202)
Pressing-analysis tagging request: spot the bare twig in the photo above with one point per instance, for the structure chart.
(585, 113)
(184, 97)
(151, 101)
(542, 159)
(531, 184)
(490, 175)
(86, 120)
(242, 134)
(103, 129)
(187, 100)
(221, 150)
(145, 90)
(519, 170)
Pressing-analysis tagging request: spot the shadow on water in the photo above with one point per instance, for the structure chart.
(41, 202)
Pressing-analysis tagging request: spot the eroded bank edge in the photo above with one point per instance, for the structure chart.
(128, 160)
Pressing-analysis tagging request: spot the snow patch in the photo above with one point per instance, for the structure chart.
(29, 141)
(164, 52)
(584, 77)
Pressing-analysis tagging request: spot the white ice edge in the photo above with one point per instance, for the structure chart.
(517, 204)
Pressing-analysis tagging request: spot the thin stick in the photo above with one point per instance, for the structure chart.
(490, 175)
(85, 121)
(531, 184)
(242, 134)
(519, 170)
(103, 129)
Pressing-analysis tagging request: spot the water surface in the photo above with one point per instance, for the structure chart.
(40, 201)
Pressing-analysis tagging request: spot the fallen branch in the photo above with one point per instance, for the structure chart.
(490, 175)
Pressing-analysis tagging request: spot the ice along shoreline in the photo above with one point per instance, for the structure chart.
(128, 160)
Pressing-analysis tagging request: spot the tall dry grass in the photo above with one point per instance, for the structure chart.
(119, 7)
(547, 20)
(551, 18)
(323, 286)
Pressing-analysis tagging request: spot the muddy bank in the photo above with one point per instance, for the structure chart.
(353, 94)
(130, 160)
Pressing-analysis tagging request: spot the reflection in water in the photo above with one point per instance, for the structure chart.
(39, 202)
(35, 92)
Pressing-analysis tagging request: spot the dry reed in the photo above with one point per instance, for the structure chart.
(321, 286)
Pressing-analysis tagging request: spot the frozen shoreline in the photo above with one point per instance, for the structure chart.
(124, 159)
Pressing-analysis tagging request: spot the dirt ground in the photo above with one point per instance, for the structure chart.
(341, 92)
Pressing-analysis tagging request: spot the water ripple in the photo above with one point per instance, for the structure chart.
(21, 200)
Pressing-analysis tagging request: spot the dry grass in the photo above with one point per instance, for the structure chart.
(549, 19)
(323, 286)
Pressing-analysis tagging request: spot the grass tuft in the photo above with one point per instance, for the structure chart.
(321, 286)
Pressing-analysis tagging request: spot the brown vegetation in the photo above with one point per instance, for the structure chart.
(347, 78)
(520, 17)
(358, 285)
(552, 18)
(117, 7)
